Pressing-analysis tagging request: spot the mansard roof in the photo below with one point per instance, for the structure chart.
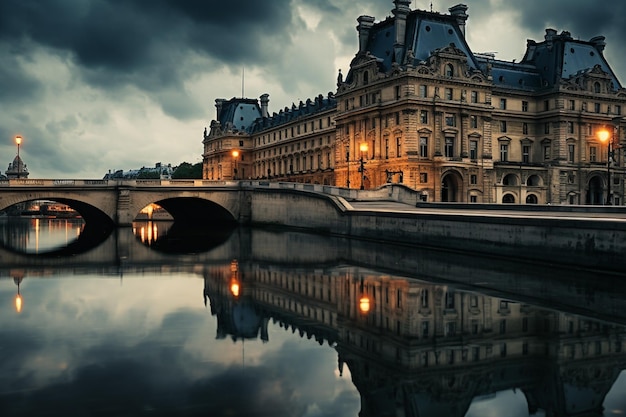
(411, 37)
(425, 32)
(237, 113)
(288, 114)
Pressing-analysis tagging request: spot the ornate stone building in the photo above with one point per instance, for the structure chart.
(419, 107)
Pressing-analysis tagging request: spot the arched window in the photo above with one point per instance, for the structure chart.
(449, 70)
(366, 78)
(596, 87)
(510, 179)
(508, 199)
(533, 181)
(531, 199)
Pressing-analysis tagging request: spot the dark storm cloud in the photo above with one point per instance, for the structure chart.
(148, 45)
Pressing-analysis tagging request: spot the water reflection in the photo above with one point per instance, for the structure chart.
(170, 237)
(289, 324)
(425, 349)
(38, 235)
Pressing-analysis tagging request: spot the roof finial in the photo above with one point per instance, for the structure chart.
(431, 6)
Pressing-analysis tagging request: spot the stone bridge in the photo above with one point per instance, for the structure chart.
(590, 236)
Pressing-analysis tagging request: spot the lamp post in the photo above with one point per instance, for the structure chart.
(348, 166)
(18, 141)
(363, 147)
(605, 136)
(235, 154)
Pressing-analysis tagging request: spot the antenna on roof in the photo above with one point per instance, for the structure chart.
(243, 69)
(431, 6)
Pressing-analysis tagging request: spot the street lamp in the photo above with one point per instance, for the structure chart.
(348, 166)
(363, 147)
(18, 141)
(235, 154)
(605, 136)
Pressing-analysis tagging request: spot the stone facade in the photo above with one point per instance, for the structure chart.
(419, 107)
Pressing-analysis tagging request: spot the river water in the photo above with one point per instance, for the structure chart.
(157, 321)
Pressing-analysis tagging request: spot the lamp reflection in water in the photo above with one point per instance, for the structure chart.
(235, 287)
(18, 276)
(364, 300)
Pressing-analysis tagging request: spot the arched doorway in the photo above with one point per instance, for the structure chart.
(508, 199)
(595, 191)
(451, 187)
(531, 199)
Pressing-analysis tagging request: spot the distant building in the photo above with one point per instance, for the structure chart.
(419, 107)
(160, 171)
(17, 169)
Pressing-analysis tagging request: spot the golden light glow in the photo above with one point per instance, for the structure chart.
(364, 147)
(18, 303)
(235, 154)
(18, 140)
(603, 135)
(364, 304)
(234, 288)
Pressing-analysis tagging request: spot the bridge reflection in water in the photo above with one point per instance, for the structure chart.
(421, 333)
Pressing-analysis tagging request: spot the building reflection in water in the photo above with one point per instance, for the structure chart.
(416, 348)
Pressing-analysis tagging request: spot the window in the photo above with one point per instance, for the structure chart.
(448, 92)
(596, 107)
(526, 154)
(424, 298)
(596, 87)
(503, 126)
(423, 91)
(546, 151)
(397, 92)
(386, 148)
(473, 199)
(473, 149)
(425, 329)
(570, 127)
(397, 118)
(424, 116)
(593, 154)
(524, 128)
(546, 128)
(572, 105)
(504, 152)
(449, 147)
(546, 105)
(502, 104)
(524, 105)
(473, 179)
(423, 177)
(449, 70)
(424, 147)
(398, 147)
(450, 120)
(618, 109)
(474, 96)
(474, 122)
(570, 152)
(449, 300)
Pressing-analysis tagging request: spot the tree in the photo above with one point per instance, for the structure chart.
(187, 171)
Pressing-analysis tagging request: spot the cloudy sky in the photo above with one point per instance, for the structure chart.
(98, 85)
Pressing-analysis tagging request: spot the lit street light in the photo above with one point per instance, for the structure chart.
(235, 154)
(605, 136)
(363, 147)
(18, 141)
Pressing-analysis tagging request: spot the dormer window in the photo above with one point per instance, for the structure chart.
(596, 87)
(449, 70)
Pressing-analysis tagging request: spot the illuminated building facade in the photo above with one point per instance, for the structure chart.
(418, 107)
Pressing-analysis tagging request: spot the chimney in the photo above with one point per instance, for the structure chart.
(265, 101)
(365, 24)
(218, 106)
(460, 13)
(598, 42)
(400, 12)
